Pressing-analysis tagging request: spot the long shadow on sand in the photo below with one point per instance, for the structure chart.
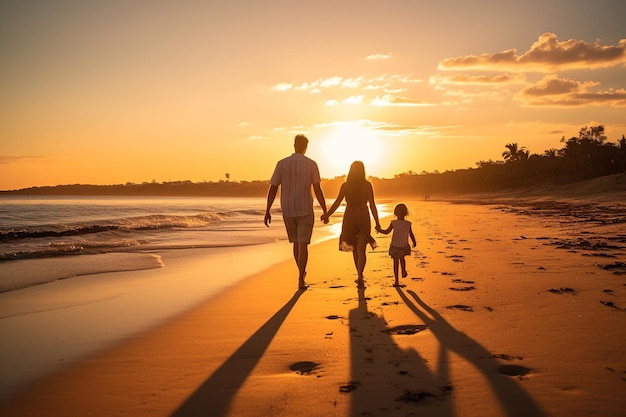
(214, 396)
(387, 379)
(515, 402)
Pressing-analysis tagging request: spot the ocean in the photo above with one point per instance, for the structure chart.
(55, 226)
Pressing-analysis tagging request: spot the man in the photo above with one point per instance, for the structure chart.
(295, 174)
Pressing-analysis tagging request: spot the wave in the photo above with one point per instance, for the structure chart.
(61, 248)
(217, 228)
(130, 224)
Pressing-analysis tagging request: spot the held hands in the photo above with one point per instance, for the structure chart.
(324, 218)
(378, 228)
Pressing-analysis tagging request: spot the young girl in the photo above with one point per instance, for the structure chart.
(399, 247)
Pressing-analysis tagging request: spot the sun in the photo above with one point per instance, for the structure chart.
(351, 142)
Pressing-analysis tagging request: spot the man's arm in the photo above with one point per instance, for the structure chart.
(319, 194)
(271, 195)
(335, 205)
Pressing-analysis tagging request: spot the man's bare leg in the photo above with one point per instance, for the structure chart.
(301, 256)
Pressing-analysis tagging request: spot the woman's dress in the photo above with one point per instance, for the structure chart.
(356, 218)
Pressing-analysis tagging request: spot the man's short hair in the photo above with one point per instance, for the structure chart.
(301, 141)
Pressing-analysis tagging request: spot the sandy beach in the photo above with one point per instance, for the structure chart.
(516, 308)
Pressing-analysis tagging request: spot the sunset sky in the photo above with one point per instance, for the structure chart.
(116, 91)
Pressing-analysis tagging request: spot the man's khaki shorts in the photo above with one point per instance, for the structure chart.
(299, 229)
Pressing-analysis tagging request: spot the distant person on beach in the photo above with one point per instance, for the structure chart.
(295, 175)
(356, 225)
(399, 247)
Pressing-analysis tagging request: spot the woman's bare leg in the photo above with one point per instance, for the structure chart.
(360, 257)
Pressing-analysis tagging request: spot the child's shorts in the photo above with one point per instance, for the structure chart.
(398, 252)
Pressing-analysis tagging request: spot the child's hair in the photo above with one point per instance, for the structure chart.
(400, 210)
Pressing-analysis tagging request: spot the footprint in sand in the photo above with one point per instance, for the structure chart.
(514, 370)
(460, 307)
(462, 288)
(507, 357)
(562, 290)
(305, 368)
(616, 372)
(462, 281)
(406, 329)
(349, 387)
(410, 396)
(618, 268)
(421, 396)
(609, 304)
(455, 258)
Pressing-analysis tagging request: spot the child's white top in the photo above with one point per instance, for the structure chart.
(401, 230)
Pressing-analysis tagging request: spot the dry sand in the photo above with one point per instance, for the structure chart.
(508, 310)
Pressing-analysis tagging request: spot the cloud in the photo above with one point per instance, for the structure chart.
(370, 124)
(483, 80)
(385, 127)
(349, 100)
(377, 57)
(352, 82)
(547, 54)
(553, 85)
(282, 87)
(555, 91)
(9, 159)
(374, 83)
(391, 100)
(330, 82)
(392, 85)
(353, 100)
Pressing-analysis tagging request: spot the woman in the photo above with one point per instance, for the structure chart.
(356, 226)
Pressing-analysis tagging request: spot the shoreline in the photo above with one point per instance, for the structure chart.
(495, 320)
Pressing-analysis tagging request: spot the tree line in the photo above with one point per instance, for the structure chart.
(588, 155)
(585, 156)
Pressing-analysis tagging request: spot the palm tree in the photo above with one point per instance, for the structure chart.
(514, 153)
(551, 153)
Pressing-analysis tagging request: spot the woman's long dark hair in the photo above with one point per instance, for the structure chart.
(356, 173)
